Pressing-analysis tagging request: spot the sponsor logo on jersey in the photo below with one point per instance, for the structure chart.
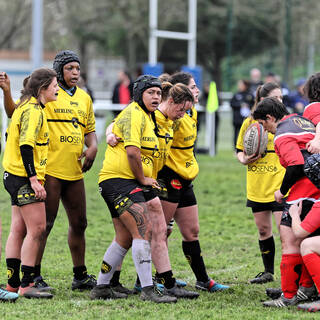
(189, 138)
(157, 154)
(152, 139)
(176, 184)
(262, 168)
(63, 111)
(189, 164)
(43, 162)
(82, 113)
(74, 103)
(304, 124)
(70, 139)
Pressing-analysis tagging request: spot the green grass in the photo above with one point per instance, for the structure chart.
(228, 239)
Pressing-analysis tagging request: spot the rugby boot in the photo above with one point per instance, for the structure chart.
(310, 306)
(11, 289)
(281, 302)
(121, 289)
(88, 283)
(104, 292)
(137, 287)
(211, 286)
(7, 296)
(41, 284)
(262, 277)
(31, 292)
(152, 293)
(273, 293)
(181, 293)
(305, 293)
(180, 283)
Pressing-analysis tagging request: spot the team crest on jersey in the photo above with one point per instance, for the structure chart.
(304, 124)
(167, 138)
(105, 267)
(75, 122)
(176, 184)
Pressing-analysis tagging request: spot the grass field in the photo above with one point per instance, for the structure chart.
(229, 243)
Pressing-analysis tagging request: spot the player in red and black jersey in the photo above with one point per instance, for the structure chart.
(292, 133)
(310, 246)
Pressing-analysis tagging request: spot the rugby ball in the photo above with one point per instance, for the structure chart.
(255, 140)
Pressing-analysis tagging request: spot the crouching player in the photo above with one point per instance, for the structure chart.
(292, 133)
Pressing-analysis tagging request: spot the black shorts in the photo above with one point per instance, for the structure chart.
(19, 189)
(286, 219)
(267, 206)
(111, 189)
(179, 190)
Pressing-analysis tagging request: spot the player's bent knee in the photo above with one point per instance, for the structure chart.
(306, 246)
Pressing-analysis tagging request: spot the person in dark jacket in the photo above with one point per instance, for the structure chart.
(241, 104)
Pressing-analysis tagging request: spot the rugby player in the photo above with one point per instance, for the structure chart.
(292, 133)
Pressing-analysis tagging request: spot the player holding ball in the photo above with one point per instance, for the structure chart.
(264, 177)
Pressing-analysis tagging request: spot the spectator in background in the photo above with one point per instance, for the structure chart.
(297, 99)
(83, 84)
(272, 77)
(255, 80)
(241, 104)
(122, 92)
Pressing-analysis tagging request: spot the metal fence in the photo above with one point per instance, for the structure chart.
(101, 106)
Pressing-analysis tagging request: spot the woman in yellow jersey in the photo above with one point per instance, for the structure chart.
(264, 177)
(180, 170)
(24, 162)
(126, 172)
(176, 99)
(72, 126)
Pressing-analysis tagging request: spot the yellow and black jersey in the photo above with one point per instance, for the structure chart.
(165, 137)
(70, 118)
(135, 128)
(28, 126)
(265, 175)
(181, 156)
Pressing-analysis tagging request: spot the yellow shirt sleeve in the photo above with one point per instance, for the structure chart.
(30, 123)
(131, 125)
